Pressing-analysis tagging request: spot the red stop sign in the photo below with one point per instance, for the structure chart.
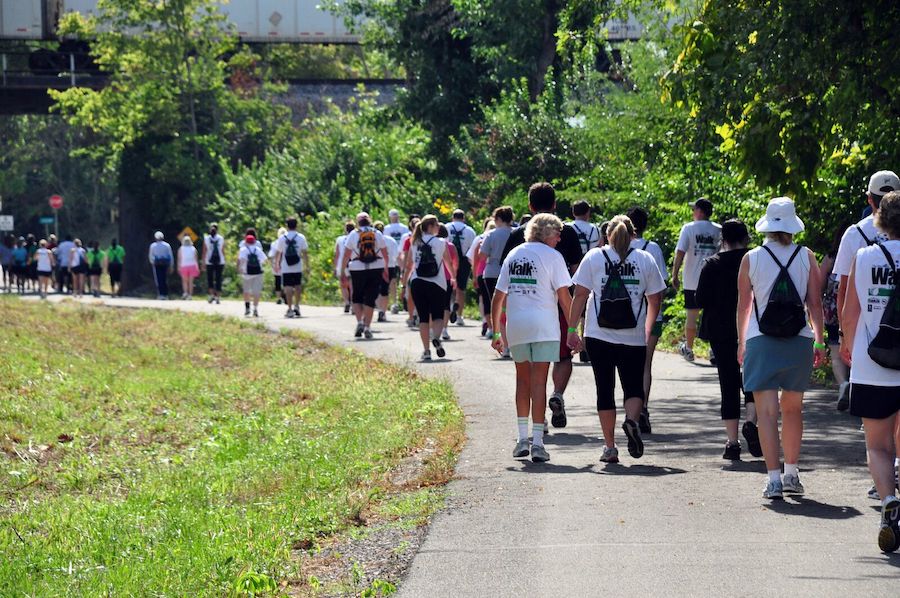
(56, 201)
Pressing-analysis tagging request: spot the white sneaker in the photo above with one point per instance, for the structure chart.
(460, 321)
(688, 354)
(791, 484)
(445, 335)
(610, 454)
(489, 334)
(426, 355)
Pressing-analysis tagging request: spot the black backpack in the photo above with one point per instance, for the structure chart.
(884, 349)
(457, 236)
(785, 315)
(428, 266)
(368, 250)
(253, 265)
(584, 241)
(214, 252)
(291, 255)
(615, 310)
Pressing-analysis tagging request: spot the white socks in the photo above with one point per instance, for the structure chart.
(774, 475)
(791, 469)
(537, 434)
(522, 423)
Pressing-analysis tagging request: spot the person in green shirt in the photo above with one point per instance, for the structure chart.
(115, 258)
(95, 259)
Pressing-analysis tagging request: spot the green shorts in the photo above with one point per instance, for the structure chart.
(657, 329)
(542, 352)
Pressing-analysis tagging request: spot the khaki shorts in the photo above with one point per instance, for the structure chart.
(542, 352)
(253, 284)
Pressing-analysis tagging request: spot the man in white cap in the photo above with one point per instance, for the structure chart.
(366, 255)
(856, 237)
(163, 263)
(697, 241)
(863, 233)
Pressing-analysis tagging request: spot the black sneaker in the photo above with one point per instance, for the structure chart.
(346, 307)
(751, 435)
(359, 330)
(644, 422)
(583, 357)
(438, 347)
(558, 408)
(382, 317)
(453, 313)
(844, 399)
(732, 451)
(635, 444)
(484, 327)
(296, 312)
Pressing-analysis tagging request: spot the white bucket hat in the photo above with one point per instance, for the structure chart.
(781, 217)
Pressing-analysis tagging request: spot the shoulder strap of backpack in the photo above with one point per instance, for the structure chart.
(646, 245)
(863, 235)
(890, 259)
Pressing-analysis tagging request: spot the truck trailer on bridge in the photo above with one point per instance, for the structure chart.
(256, 21)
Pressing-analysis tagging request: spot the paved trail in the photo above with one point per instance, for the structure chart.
(681, 521)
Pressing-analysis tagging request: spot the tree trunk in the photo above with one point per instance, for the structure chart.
(549, 25)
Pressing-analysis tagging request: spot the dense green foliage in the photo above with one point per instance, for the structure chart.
(157, 453)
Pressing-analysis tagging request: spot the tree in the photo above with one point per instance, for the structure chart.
(460, 54)
(803, 98)
(181, 101)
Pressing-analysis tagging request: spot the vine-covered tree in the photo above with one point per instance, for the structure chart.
(182, 102)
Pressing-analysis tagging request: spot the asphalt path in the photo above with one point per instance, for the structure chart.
(680, 521)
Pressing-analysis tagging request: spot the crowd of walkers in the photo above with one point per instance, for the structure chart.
(549, 290)
(30, 265)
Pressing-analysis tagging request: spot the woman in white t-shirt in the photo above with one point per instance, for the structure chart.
(620, 318)
(874, 388)
(779, 357)
(251, 259)
(45, 264)
(188, 267)
(427, 283)
(533, 284)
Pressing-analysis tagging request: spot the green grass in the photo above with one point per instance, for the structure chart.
(149, 453)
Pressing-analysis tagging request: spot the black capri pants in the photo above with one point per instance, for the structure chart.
(430, 300)
(606, 358)
(366, 285)
(487, 293)
(730, 380)
(214, 277)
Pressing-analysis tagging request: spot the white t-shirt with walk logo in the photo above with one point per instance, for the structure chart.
(641, 277)
(698, 240)
(530, 276)
(874, 283)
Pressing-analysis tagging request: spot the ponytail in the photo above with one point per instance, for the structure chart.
(421, 227)
(620, 233)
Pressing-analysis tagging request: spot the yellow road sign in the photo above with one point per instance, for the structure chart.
(189, 232)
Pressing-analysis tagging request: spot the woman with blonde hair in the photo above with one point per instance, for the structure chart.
(188, 267)
(622, 289)
(533, 284)
(779, 291)
(427, 283)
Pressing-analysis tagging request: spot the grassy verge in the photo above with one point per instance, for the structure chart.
(149, 453)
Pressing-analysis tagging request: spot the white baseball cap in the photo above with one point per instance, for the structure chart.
(393, 213)
(883, 181)
(781, 217)
(158, 235)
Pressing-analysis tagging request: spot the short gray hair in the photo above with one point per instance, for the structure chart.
(541, 227)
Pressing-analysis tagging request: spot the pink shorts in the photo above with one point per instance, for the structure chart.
(193, 270)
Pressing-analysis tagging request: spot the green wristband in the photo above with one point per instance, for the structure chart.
(497, 336)
(822, 346)
(572, 329)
